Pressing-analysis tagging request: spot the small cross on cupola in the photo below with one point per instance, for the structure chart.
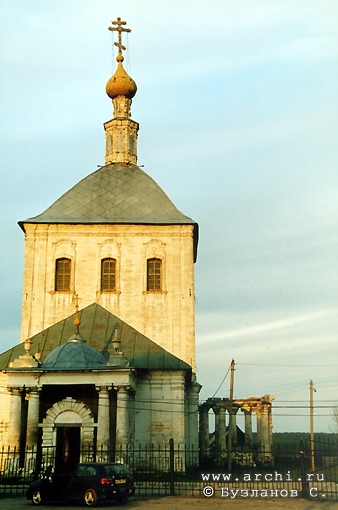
(119, 28)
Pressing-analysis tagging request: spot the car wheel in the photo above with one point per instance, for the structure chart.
(37, 498)
(90, 497)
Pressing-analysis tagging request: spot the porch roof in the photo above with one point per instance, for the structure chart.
(97, 327)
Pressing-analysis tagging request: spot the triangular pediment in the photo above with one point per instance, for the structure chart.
(97, 328)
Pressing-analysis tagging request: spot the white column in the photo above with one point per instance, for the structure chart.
(217, 436)
(103, 419)
(33, 418)
(234, 426)
(204, 430)
(259, 430)
(131, 417)
(270, 426)
(265, 433)
(122, 417)
(222, 430)
(248, 428)
(192, 418)
(14, 428)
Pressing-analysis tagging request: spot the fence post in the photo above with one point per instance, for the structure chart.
(305, 483)
(171, 468)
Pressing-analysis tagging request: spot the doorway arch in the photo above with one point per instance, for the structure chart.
(69, 428)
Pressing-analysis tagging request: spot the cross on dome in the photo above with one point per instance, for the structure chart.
(119, 28)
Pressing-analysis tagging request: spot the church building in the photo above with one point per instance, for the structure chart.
(107, 352)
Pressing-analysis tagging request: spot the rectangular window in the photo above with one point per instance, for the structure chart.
(108, 274)
(154, 268)
(62, 274)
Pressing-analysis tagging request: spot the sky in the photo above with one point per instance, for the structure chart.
(237, 105)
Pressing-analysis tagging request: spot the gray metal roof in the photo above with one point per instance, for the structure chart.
(116, 193)
(97, 328)
(75, 354)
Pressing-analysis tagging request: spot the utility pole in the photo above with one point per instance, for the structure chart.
(312, 436)
(232, 376)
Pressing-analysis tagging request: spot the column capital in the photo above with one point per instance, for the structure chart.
(123, 388)
(218, 408)
(195, 387)
(233, 410)
(33, 389)
(15, 390)
(203, 409)
(104, 388)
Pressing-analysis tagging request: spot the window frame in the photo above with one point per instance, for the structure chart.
(109, 274)
(154, 274)
(62, 274)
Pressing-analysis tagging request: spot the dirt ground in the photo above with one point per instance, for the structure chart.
(194, 503)
(187, 503)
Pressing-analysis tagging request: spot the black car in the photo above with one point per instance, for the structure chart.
(89, 483)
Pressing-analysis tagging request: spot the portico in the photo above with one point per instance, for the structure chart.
(93, 402)
(223, 407)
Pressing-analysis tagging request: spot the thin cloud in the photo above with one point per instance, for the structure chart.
(266, 326)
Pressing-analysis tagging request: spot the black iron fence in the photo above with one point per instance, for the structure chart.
(285, 472)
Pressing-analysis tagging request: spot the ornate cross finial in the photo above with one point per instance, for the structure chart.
(76, 301)
(119, 28)
(77, 321)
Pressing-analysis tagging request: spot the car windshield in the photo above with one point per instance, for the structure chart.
(116, 470)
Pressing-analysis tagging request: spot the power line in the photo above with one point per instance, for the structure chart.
(317, 400)
(220, 386)
(301, 407)
(296, 365)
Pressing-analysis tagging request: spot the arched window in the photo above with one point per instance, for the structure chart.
(154, 268)
(62, 274)
(108, 274)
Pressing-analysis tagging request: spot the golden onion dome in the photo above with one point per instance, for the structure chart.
(121, 84)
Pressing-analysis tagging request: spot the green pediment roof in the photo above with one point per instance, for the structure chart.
(97, 328)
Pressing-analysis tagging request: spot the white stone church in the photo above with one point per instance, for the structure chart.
(107, 351)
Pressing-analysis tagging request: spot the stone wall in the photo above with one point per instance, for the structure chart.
(4, 410)
(160, 408)
(166, 317)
